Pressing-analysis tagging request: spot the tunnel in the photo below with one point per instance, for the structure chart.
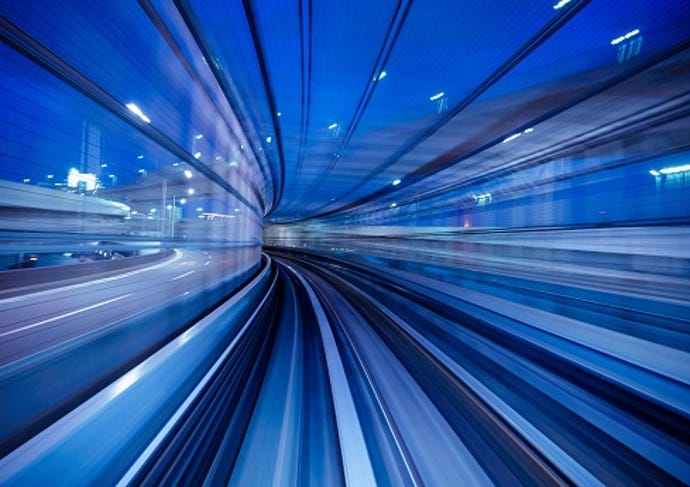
(345, 242)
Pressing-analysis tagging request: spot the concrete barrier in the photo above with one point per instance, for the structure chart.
(16, 280)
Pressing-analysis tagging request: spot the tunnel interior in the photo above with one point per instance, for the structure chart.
(400, 242)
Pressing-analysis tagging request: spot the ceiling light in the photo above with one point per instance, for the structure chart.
(140, 156)
(199, 136)
(394, 205)
(561, 4)
(396, 182)
(620, 39)
(654, 173)
(332, 126)
(137, 111)
(675, 170)
(188, 173)
(436, 96)
(269, 139)
(190, 191)
(104, 165)
(382, 75)
(183, 201)
(197, 155)
(512, 137)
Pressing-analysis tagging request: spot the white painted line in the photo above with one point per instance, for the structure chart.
(182, 275)
(356, 460)
(65, 315)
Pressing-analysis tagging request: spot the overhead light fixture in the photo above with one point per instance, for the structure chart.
(183, 201)
(394, 205)
(269, 139)
(190, 191)
(675, 170)
(561, 4)
(140, 156)
(512, 137)
(137, 111)
(279, 113)
(104, 165)
(436, 96)
(518, 134)
(27, 180)
(382, 75)
(332, 126)
(200, 209)
(396, 182)
(197, 155)
(188, 174)
(654, 173)
(199, 136)
(622, 38)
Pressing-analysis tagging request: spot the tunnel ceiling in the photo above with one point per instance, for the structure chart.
(341, 107)
(345, 98)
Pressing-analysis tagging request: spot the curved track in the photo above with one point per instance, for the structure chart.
(358, 375)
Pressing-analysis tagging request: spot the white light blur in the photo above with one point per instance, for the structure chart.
(125, 382)
(169, 207)
(620, 39)
(396, 182)
(197, 155)
(200, 209)
(153, 210)
(140, 156)
(269, 139)
(199, 136)
(561, 4)
(436, 96)
(190, 191)
(183, 201)
(527, 131)
(142, 171)
(332, 126)
(104, 165)
(394, 205)
(279, 114)
(50, 176)
(27, 180)
(654, 173)
(137, 111)
(512, 137)
(382, 75)
(675, 170)
(188, 174)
